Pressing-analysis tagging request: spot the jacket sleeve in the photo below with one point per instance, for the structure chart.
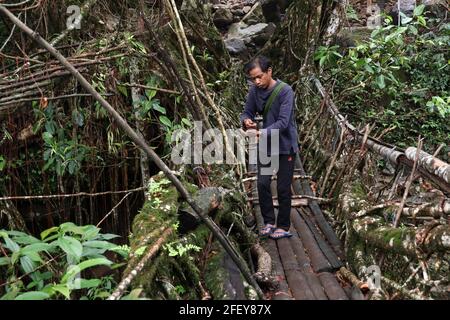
(250, 107)
(286, 108)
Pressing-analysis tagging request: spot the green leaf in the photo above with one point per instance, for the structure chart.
(45, 233)
(89, 283)
(164, 120)
(11, 295)
(406, 20)
(71, 227)
(71, 246)
(63, 289)
(99, 244)
(74, 270)
(15, 233)
(422, 21)
(186, 122)
(413, 30)
(108, 236)
(369, 68)
(150, 93)
(419, 10)
(33, 295)
(11, 245)
(133, 295)
(34, 257)
(26, 239)
(28, 266)
(159, 108)
(50, 130)
(90, 232)
(4, 261)
(123, 90)
(380, 81)
(322, 60)
(36, 247)
(2, 163)
(15, 256)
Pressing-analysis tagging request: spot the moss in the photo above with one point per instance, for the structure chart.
(358, 190)
(394, 237)
(397, 240)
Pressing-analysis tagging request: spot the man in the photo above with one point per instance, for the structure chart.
(278, 115)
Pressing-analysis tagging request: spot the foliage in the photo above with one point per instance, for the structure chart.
(398, 79)
(61, 153)
(351, 13)
(51, 267)
(180, 247)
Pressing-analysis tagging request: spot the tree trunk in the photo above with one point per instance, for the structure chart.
(406, 241)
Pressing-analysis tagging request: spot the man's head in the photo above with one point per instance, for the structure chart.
(259, 71)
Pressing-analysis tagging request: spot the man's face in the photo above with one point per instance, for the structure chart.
(259, 78)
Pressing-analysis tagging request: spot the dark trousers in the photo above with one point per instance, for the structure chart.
(284, 180)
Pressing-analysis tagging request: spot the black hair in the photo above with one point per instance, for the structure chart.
(260, 61)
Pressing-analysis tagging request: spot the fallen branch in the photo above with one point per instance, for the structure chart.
(353, 279)
(406, 241)
(123, 285)
(430, 163)
(264, 266)
(80, 194)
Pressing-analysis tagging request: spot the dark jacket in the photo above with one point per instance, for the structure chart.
(280, 116)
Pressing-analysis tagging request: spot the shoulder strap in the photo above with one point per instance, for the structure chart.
(272, 97)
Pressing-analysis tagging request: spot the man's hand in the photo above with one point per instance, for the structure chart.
(249, 124)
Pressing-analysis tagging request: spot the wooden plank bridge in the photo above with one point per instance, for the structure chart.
(305, 264)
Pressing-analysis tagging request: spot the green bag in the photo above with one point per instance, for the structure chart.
(272, 97)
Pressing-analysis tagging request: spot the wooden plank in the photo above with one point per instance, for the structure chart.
(296, 279)
(303, 187)
(295, 203)
(318, 260)
(332, 287)
(305, 266)
(282, 292)
(323, 245)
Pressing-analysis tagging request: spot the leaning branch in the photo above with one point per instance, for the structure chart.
(123, 285)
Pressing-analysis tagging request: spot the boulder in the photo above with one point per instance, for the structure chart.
(240, 33)
(235, 46)
(222, 17)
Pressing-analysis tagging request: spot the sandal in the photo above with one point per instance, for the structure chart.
(280, 234)
(267, 230)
